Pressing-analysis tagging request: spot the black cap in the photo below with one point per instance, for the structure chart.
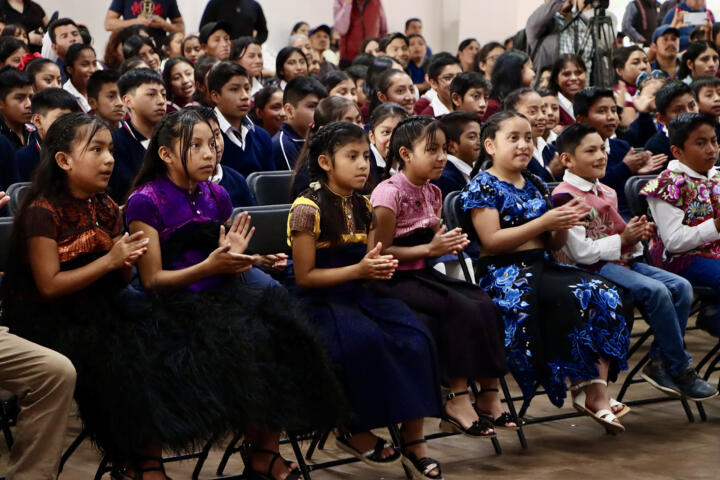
(320, 28)
(212, 27)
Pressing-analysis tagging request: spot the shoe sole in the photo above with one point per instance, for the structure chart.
(676, 393)
(417, 474)
(379, 465)
(449, 427)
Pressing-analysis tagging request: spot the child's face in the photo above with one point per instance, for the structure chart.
(234, 97)
(295, 66)
(65, 35)
(544, 79)
(314, 67)
(201, 155)
(489, 63)
(589, 159)
(150, 56)
(706, 65)
(427, 158)
(528, 74)
(218, 45)
(349, 167)
(346, 89)
(603, 116)
(531, 105)
(219, 142)
(14, 59)
(636, 64)
(89, 164)
(684, 103)
(193, 50)
(182, 81)
(552, 111)
(441, 84)
(360, 90)
(700, 151)
(84, 66)
(302, 116)
(709, 101)
(467, 56)
(148, 102)
(48, 77)
(373, 48)
(43, 122)
(380, 135)
(401, 92)
(512, 147)
(175, 45)
(474, 101)
(16, 106)
(252, 60)
(571, 80)
(273, 115)
(352, 115)
(399, 50)
(109, 106)
(418, 48)
(468, 150)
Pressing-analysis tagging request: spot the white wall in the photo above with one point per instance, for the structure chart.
(446, 22)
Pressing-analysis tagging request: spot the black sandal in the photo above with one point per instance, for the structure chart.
(420, 467)
(371, 457)
(503, 419)
(123, 472)
(251, 474)
(449, 424)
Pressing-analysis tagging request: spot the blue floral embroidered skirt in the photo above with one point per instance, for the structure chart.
(559, 321)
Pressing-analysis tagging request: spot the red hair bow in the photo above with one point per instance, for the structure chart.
(27, 58)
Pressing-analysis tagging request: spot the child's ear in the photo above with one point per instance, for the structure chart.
(165, 154)
(434, 84)
(452, 147)
(382, 97)
(92, 102)
(566, 159)
(214, 96)
(325, 162)
(371, 136)
(456, 100)
(64, 160)
(405, 154)
(677, 152)
(36, 120)
(580, 118)
(289, 110)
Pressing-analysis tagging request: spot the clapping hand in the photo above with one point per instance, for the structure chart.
(238, 235)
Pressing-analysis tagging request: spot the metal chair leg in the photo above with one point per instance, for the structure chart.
(102, 469)
(513, 412)
(304, 469)
(397, 441)
(228, 452)
(71, 449)
(317, 436)
(201, 460)
(629, 379)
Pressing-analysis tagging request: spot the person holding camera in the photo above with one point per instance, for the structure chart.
(686, 16)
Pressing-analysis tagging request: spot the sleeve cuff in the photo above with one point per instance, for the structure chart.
(708, 232)
(610, 248)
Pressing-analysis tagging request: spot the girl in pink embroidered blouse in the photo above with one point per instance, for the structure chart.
(468, 331)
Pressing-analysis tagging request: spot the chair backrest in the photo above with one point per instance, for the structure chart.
(17, 192)
(270, 222)
(449, 213)
(271, 188)
(6, 224)
(638, 204)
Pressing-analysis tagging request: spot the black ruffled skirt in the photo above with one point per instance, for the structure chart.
(181, 369)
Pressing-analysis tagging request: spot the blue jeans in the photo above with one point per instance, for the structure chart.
(257, 278)
(665, 300)
(705, 272)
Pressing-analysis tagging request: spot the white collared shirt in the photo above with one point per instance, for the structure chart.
(238, 138)
(676, 236)
(82, 101)
(552, 136)
(379, 160)
(464, 168)
(566, 105)
(439, 108)
(584, 250)
(218, 175)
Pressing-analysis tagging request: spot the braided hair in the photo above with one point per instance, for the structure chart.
(406, 134)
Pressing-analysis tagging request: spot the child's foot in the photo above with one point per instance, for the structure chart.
(281, 468)
(418, 450)
(461, 409)
(488, 403)
(366, 441)
(597, 399)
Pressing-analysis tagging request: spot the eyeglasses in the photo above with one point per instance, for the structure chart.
(654, 75)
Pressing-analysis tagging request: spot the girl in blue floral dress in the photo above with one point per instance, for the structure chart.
(560, 322)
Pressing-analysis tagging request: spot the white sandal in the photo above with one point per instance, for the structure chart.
(604, 417)
(579, 399)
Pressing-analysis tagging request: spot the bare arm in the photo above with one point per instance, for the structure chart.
(52, 282)
(114, 22)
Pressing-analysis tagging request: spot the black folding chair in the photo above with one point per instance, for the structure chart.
(270, 222)
(271, 188)
(16, 192)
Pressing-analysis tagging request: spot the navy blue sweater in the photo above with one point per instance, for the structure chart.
(640, 131)
(27, 158)
(255, 157)
(618, 172)
(286, 146)
(129, 153)
(659, 143)
(8, 168)
(451, 179)
(237, 188)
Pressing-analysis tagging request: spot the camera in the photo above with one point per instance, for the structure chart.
(600, 4)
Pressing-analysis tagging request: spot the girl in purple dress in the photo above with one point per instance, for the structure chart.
(249, 346)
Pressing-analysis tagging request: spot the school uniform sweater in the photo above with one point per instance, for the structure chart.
(617, 172)
(28, 158)
(8, 168)
(130, 146)
(236, 186)
(247, 151)
(286, 146)
(641, 130)
(455, 176)
(659, 143)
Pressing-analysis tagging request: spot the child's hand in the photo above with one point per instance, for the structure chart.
(567, 216)
(645, 102)
(634, 231)
(445, 242)
(653, 164)
(636, 160)
(276, 262)
(621, 93)
(649, 230)
(239, 235)
(224, 262)
(4, 199)
(127, 250)
(377, 267)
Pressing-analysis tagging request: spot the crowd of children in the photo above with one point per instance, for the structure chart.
(126, 256)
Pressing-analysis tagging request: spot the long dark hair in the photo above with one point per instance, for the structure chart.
(558, 66)
(692, 53)
(406, 134)
(507, 73)
(177, 126)
(167, 74)
(282, 57)
(327, 141)
(382, 85)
